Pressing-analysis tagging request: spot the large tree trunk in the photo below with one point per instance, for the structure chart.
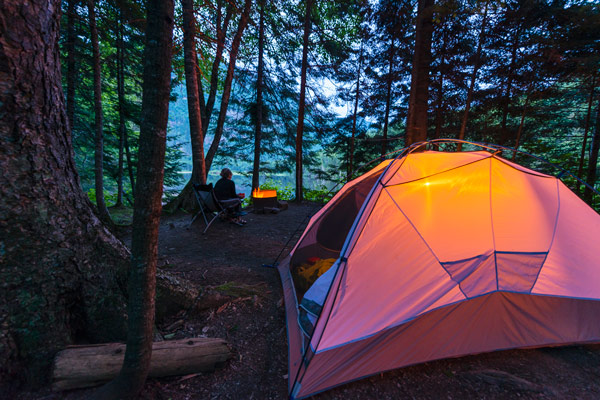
(593, 162)
(98, 123)
(120, 108)
(235, 45)
(201, 100)
(196, 136)
(71, 72)
(439, 117)
(354, 114)
(214, 75)
(416, 122)
(520, 130)
(129, 161)
(586, 128)
(122, 104)
(186, 199)
(147, 208)
(504, 134)
(259, 98)
(388, 100)
(301, 104)
(59, 266)
(476, 65)
(439, 107)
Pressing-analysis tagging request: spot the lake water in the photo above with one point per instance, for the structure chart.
(244, 183)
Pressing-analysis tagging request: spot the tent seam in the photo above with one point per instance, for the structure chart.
(553, 234)
(492, 226)
(448, 305)
(437, 173)
(402, 161)
(437, 359)
(426, 244)
(345, 253)
(343, 262)
(490, 253)
(534, 173)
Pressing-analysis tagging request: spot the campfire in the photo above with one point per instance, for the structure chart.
(257, 193)
(266, 201)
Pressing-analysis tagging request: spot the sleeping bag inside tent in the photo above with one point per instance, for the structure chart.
(435, 255)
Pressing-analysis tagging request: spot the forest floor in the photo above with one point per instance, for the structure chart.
(255, 329)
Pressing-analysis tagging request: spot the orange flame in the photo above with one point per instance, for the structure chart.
(263, 193)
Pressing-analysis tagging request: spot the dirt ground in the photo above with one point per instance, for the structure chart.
(255, 329)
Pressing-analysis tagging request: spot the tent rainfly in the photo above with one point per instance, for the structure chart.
(436, 255)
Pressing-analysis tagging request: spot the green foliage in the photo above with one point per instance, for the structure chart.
(114, 19)
(121, 216)
(246, 202)
(320, 195)
(283, 192)
(538, 60)
(108, 196)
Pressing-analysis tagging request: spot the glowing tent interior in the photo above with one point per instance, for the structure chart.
(435, 255)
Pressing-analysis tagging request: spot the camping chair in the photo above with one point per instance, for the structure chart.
(208, 202)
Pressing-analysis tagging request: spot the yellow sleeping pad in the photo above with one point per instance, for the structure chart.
(309, 272)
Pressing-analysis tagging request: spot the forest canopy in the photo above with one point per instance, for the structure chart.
(521, 74)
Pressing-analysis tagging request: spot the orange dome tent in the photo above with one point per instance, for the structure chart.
(440, 255)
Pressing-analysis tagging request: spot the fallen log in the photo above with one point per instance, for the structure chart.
(91, 365)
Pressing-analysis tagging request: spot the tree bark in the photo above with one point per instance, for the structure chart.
(588, 195)
(301, 104)
(201, 100)
(71, 71)
(259, 97)
(98, 123)
(122, 104)
(214, 75)
(186, 199)
(147, 208)
(354, 114)
(120, 108)
(476, 65)
(388, 100)
(129, 161)
(504, 135)
(235, 45)
(60, 268)
(520, 130)
(191, 83)
(416, 125)
(439, 119)
(587, 128)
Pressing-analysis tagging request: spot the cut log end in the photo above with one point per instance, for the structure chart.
(85, 366)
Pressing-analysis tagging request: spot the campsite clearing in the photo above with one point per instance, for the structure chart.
(255, 327)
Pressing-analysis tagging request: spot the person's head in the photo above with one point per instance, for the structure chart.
(226, 173)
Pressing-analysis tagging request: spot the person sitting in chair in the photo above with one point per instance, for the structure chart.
(226, 194)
